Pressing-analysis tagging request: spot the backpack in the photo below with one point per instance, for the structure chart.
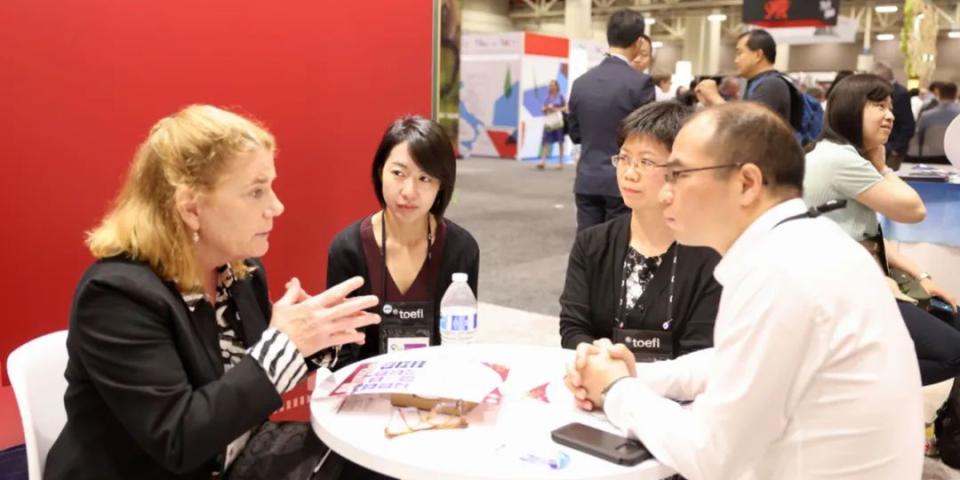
(947, 428)
(805, 111)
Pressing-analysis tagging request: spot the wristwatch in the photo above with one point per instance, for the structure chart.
(924, 276)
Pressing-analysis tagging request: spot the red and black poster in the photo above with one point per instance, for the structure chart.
(791, 13)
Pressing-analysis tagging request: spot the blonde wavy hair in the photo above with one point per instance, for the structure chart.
(191, 148)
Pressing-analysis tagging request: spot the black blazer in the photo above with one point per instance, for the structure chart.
(599, 100)
(903, 124)
(590, 296)
(147, 395)
(345, 259)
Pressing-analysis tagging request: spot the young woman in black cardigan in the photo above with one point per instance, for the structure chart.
(414, 171)
(628, 280)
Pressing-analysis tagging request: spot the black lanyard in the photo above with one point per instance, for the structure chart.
(620, 320)
(383, 250)
(814, 212)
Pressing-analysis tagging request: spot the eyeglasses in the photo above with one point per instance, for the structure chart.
(443, 415)
(673, 174)
(626, 161)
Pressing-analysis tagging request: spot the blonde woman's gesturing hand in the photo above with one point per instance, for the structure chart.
(316, 322)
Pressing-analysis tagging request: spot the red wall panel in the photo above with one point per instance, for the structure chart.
(536, 44)
(81, 81)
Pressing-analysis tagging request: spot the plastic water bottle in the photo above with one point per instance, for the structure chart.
(458, 313)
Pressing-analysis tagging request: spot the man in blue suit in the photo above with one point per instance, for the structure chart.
(599, 100)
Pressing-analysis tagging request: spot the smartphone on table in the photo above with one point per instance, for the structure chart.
(596, 442)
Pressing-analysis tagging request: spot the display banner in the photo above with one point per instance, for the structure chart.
(791, 13)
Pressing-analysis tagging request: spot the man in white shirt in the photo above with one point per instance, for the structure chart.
(812, 374)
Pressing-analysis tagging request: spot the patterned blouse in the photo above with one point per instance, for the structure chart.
(637, 272)
(276, 354)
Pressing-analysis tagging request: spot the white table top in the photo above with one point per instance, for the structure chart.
(497, 436)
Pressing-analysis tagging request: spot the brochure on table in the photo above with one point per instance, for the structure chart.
(470, 381)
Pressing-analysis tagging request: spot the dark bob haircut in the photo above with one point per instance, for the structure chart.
(430, 148)
(658, 120)
(624, 27)
(761, 39)
(843, 122)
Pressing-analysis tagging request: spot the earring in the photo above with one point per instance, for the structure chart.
(196, 236)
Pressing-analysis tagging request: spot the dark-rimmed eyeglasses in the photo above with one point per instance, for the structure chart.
(675, 173)
(626, 161)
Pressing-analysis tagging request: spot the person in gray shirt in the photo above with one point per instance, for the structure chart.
(755, 55)
(936, 118)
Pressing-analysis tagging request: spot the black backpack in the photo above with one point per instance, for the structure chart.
(947, 428)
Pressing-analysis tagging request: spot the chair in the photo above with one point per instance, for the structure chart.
(36, 374)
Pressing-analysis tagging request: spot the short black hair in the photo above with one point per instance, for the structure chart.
(658, 120)
(935, 85)
(761, 39)
(948, 90)
(624, 27)
(431, 149)
(843, 121)
(751, 132)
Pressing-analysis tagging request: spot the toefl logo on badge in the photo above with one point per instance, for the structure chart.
(411, 315)
(642, 343)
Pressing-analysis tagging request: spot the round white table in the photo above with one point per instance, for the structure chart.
(497, 436)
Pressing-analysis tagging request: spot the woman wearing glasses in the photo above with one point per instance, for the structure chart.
(628, 279)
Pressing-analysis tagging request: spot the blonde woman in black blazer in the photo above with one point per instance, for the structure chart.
(177, 357)
(628, 280)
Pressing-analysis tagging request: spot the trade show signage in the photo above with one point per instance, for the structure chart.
(787, 13)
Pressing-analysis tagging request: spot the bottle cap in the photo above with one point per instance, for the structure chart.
(460, 277)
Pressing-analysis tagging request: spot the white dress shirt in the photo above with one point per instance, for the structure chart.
(812, 374)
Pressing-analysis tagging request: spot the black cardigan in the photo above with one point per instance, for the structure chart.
(345, 259)
(147, 396)
(591, 293)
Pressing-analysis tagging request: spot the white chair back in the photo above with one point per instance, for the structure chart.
(36, 374)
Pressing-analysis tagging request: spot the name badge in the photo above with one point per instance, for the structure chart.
(646, 345)
(405, 326)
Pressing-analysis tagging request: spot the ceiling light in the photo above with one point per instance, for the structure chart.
(954, 34)
(649, 20)
(886, 36)
(659, 44)
(886, 8)
(717, 17)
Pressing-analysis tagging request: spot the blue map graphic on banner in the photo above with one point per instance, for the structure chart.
(474, 123)
(505, 111)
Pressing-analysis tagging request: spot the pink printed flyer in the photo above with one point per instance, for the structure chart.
(471, 381)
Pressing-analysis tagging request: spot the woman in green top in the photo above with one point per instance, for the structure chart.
(849, 163)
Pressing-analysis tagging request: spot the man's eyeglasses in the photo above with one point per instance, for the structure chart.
(410, 420)
(626, 161)
(673, 174)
